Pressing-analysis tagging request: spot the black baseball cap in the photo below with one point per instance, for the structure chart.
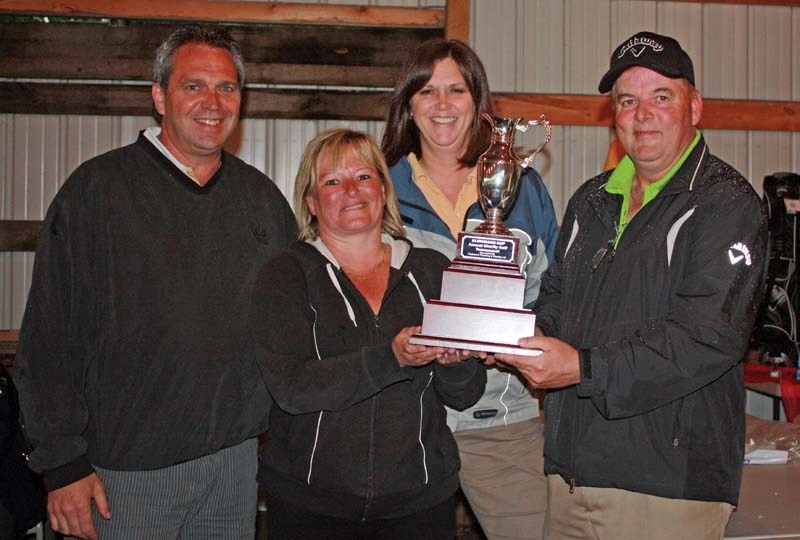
(654, 51)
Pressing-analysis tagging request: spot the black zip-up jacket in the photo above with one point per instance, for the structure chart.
(661, 323)
(354, 435)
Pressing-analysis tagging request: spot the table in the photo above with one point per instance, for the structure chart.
(769, 503)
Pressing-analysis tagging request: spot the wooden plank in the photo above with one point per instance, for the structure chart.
(792, 3)
(233, 11)
(275, 54)
(585, 110)
(266, 12)
(573, 110)
(561, 109)
(124, 100)
(18, 235)
(457, 20)
(8, 346)
(328, 104)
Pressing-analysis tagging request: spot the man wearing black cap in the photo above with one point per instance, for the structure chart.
(643, 320)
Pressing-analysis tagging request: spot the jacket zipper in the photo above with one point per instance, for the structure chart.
(370, 496)
(575, 431)
(676, 425)
(605, 254)
(375, 339)
(376, 323)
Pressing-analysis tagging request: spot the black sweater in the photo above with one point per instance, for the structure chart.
(134, 350)
(353, 434)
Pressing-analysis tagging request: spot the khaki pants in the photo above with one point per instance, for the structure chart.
(616, 514)
(502, 476)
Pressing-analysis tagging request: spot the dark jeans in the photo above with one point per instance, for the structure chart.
(288, 522)
(8, 531)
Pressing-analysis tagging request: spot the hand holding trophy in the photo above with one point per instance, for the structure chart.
(481, 305)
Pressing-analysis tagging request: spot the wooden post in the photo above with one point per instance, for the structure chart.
(456, 24)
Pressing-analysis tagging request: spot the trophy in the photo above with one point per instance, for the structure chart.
(483, 289)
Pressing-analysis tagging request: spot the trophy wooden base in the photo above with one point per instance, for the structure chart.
(477, 328)
(470, 345)
(481, 306)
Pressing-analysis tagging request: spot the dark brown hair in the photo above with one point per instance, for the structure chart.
(401, 135)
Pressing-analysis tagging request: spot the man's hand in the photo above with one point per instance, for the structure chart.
(558, 365)
(70, 507)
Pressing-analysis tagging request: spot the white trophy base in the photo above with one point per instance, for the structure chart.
(471, 345)
(477, 328)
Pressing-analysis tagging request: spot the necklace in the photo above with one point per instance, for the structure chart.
(369, 273)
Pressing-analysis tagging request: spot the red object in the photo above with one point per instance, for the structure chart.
(787, 376)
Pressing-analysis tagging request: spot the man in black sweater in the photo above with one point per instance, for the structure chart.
(136, 369)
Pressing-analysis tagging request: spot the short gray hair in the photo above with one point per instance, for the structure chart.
(202, 35)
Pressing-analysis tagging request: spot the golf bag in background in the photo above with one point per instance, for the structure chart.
(775, 332)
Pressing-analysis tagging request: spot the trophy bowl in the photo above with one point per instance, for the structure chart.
(499, 170)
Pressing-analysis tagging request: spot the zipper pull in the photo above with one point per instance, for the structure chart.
(607, 250)
(572, 485)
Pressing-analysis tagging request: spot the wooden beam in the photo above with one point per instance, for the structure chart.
(275, 54)
(561, 109)
(233, 11)
(456, 24)
(8, 346)
(316, 104)
(573, 110)
(18, 235)
(790, 3)
(585, 110)
(125, 100)
(266, 12)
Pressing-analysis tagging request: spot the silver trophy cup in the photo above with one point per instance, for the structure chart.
(500, 169)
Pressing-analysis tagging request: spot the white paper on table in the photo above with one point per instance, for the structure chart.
(766, 457)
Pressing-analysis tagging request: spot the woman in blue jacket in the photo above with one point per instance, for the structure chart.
(435, 133)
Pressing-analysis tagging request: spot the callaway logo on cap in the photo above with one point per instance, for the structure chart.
(653, 51)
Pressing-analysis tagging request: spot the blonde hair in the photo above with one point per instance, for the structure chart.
(334, 144)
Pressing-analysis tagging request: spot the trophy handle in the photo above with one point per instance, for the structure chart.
(541, 121)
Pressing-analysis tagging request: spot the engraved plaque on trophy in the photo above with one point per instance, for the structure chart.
(481, 306)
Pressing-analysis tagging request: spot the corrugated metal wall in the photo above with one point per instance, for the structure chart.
(552, 46)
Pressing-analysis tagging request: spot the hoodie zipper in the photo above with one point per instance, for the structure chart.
(370, 495)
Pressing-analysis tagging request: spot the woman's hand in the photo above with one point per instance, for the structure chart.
(453, 356)
(409, 354)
